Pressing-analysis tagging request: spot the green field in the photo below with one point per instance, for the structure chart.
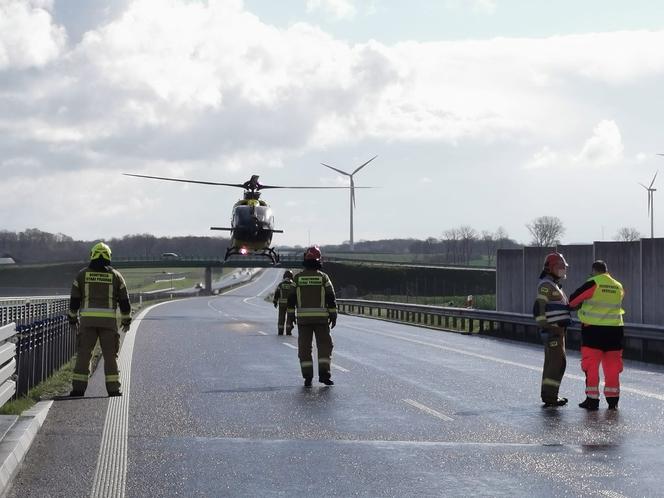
(403, 258)
(146, 280)
(482, 302)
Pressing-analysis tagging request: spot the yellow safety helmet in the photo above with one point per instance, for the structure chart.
(100, 250)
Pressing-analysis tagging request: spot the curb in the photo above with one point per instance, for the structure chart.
(17, 441)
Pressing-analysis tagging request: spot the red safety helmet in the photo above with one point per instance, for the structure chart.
(553, 260)
(312, 254)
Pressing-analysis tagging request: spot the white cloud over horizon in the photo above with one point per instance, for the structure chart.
(178, 88)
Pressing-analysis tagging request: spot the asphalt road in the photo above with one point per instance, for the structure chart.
(216, 407)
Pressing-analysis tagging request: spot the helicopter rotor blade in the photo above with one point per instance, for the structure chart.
(239, 185)
(653, 179)
(362, 166)
(335, 169)
(277, 186)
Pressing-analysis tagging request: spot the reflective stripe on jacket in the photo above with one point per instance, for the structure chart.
(556, 309)
(313, 296)
(282, 291)
(604, 305)
(98, 292)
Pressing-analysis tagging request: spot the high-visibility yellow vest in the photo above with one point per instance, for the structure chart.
(605, 307)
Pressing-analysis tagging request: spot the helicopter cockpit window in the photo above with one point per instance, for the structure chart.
(263, 213)
(245, 214)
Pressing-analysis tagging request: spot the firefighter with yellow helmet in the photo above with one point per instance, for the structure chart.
(552, 314)
(96, 294)
(313, 298)
(280, 301)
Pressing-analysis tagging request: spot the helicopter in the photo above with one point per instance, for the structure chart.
(252, 222)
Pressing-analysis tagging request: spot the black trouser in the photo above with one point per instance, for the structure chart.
(555, 362)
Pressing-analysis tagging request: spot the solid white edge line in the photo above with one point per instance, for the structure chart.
(289, 345)
(111, 472)
(623, 388)
(428, 410)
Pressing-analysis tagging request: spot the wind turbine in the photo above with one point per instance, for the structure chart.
(352, 193)
(651, 209)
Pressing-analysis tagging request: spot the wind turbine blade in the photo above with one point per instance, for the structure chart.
(643, 186)
(653, 179)
(335, 169)
(360, 167)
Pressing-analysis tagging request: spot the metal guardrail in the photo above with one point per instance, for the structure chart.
(7, 362)
(642, 342)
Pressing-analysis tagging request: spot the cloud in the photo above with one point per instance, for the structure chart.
(337, 9)
(28, 36)
(485, 7)
(603, 149)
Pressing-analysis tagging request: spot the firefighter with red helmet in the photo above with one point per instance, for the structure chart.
(280, 301)
(313, 298)
(552, 313)
(599, 304)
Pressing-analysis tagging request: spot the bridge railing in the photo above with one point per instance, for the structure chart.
(7, 362)
(642, 342)
(43, 341)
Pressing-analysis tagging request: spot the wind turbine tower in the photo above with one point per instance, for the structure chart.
(651, 210)
(352, 193)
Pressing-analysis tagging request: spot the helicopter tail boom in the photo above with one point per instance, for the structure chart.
(221, 228)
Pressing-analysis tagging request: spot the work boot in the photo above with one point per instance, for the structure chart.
(327, 382)
(613, 402)
(590, 404)
(114, 393)
(307, 382)
(556, 402)
(289, 333)
(76, 394)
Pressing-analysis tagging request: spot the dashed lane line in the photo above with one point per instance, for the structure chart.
(624, 388)
(262, 333)
(341, 369)
(428, 410)
(289, 345)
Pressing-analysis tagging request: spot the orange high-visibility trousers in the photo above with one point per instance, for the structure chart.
(612, 365)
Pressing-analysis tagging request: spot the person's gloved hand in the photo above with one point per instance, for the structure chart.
(332, 320)
(73, 320)
(275, 304)
(125, 324)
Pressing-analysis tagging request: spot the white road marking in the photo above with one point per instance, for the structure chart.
(289, 345)
(342, 369)
(428, 410)
(262, 333)
(623, 388)
(611, 494)
(270, 286)
(111, 472)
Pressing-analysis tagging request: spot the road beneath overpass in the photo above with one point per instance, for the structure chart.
(216, 407)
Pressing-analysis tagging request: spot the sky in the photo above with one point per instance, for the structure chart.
(487, 113)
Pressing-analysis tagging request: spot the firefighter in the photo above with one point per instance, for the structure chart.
(280, 300)
(601, 315)
(552, 314)
(96, 293)
(313, 297)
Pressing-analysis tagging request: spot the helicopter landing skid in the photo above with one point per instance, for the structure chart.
(268, 252)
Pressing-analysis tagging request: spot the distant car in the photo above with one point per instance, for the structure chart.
(169, 255)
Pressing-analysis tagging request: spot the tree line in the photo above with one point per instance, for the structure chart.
(35, 246)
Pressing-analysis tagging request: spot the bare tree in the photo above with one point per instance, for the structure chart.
(501, 236)
(490, 245)
(627, 234)
(546, 231)
(468, 235)
(451, 240)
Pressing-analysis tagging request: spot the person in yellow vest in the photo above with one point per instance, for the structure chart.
(280, 300)
(96, 293)
(599, 303)
(314, 299)
(552, 315)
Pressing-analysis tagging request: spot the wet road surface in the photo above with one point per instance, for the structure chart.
(216, 407)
